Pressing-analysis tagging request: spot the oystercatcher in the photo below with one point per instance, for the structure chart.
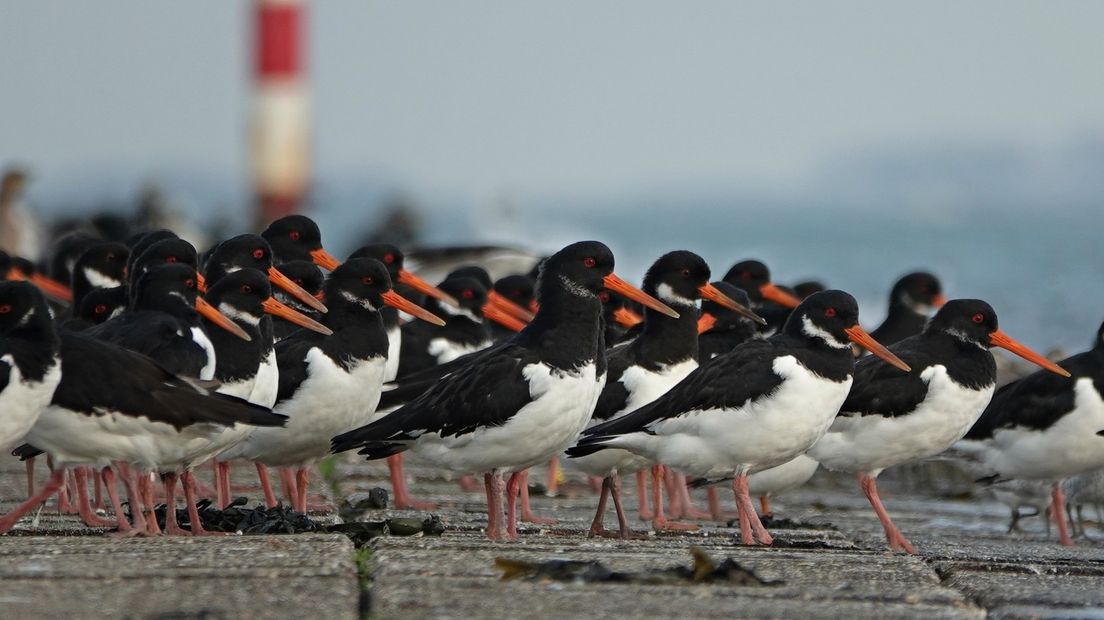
(1044, 427)
(645, 368)
(721, 329)
(297, 237)
(253, 252)
(310, 278)
(328, 384)
(911, 301)
(892, 417)
(755, 407)
(520, 402)
(770, 300)
(498, 307)
(425, 345)
(519, 290)
(100, 266)
(29, 366)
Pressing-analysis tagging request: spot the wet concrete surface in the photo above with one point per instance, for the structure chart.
(835, 565)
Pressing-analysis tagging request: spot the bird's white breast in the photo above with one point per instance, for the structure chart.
(200, 337)
(23, 400)
(394, 348)
(446, 350)
(872, 443)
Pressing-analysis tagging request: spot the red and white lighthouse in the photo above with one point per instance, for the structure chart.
(280, 124)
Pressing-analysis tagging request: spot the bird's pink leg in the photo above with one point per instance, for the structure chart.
(172, 527)
(266, 485)
(134, 496)
(596, 526)
(512, 489)
(84, 504)
(222, 477)
(124, 527)
(145, 490)
(894, 537)
(1058, 513)
(764, 504)
(468, 483)
(55, 482)
(689, 510)
(398, 486)
(194, 522)
(624, 531)
(747, 510)
(222, 497)
(287, 482)
(527, 514)
(97, 485)
(302, 480)
(553, 477)
(660, 521)
(494, 505)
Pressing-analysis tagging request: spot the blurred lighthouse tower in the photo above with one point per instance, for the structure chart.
(280, 127)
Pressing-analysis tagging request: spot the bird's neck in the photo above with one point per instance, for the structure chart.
(665, 339)
(566, 329)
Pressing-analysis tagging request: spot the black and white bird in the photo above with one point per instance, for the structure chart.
(1044, 427)
(425, 345)
(328, 384)
(310, 278)
(755, 407)
(100, 266)
(890, 417)
(640, 371)
(29, 365)
(250, 251)
(520, 290)
(767, 298)
(297, 237)
(115, 405)
(912, 300)
(721, 329)
(520, 402)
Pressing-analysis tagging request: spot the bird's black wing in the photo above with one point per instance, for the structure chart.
(98, 378)
(730, 380)
(486, 392)
(882, 389)
(406, 389)
(5, 374)
(156, 335)
(614, 394)
(1036, 401)
(291, 359)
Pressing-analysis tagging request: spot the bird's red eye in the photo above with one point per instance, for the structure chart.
(389, 258)
(589, 261)
(369, 280)
(294, 235)
(604, 296)
(190, 283)
(830, 312)
(6, 308)
(258, 253)
(685, 273)
(979, 318)
(467, 294)
(100, 308)
(170, 259)
(245, 288)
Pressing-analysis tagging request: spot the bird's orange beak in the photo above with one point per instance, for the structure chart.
(296, 291)
(212, 314)
(859, 336)
(939, 300)
(504, 319)
(393, 299)
(714, 294)
(1004, 341)
(502, 304)
(50, 287)
(289, 314)
(614, 283)
(706, 322)
(627, 318)
(771, 292)
(425, 288)
(324, 259)
(201, 282)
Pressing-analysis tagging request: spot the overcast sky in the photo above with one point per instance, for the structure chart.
(478, 98)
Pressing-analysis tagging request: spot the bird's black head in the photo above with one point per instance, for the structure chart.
(469, 292)
(294, 237)
(474, 272)
(518, 288)
(23, 308)
(919, 291)
(241, 252)
(168, 288)
(239, 295)
(970, 320)
(66, 250)
(391, 257)
(166, 251)
(676, 279)
(826, 317)
(139, 243)
(808, 287)
(102, 265)
(304, 273)
(102, 304)
(578, 269)
(754, 278)
(359, 285)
